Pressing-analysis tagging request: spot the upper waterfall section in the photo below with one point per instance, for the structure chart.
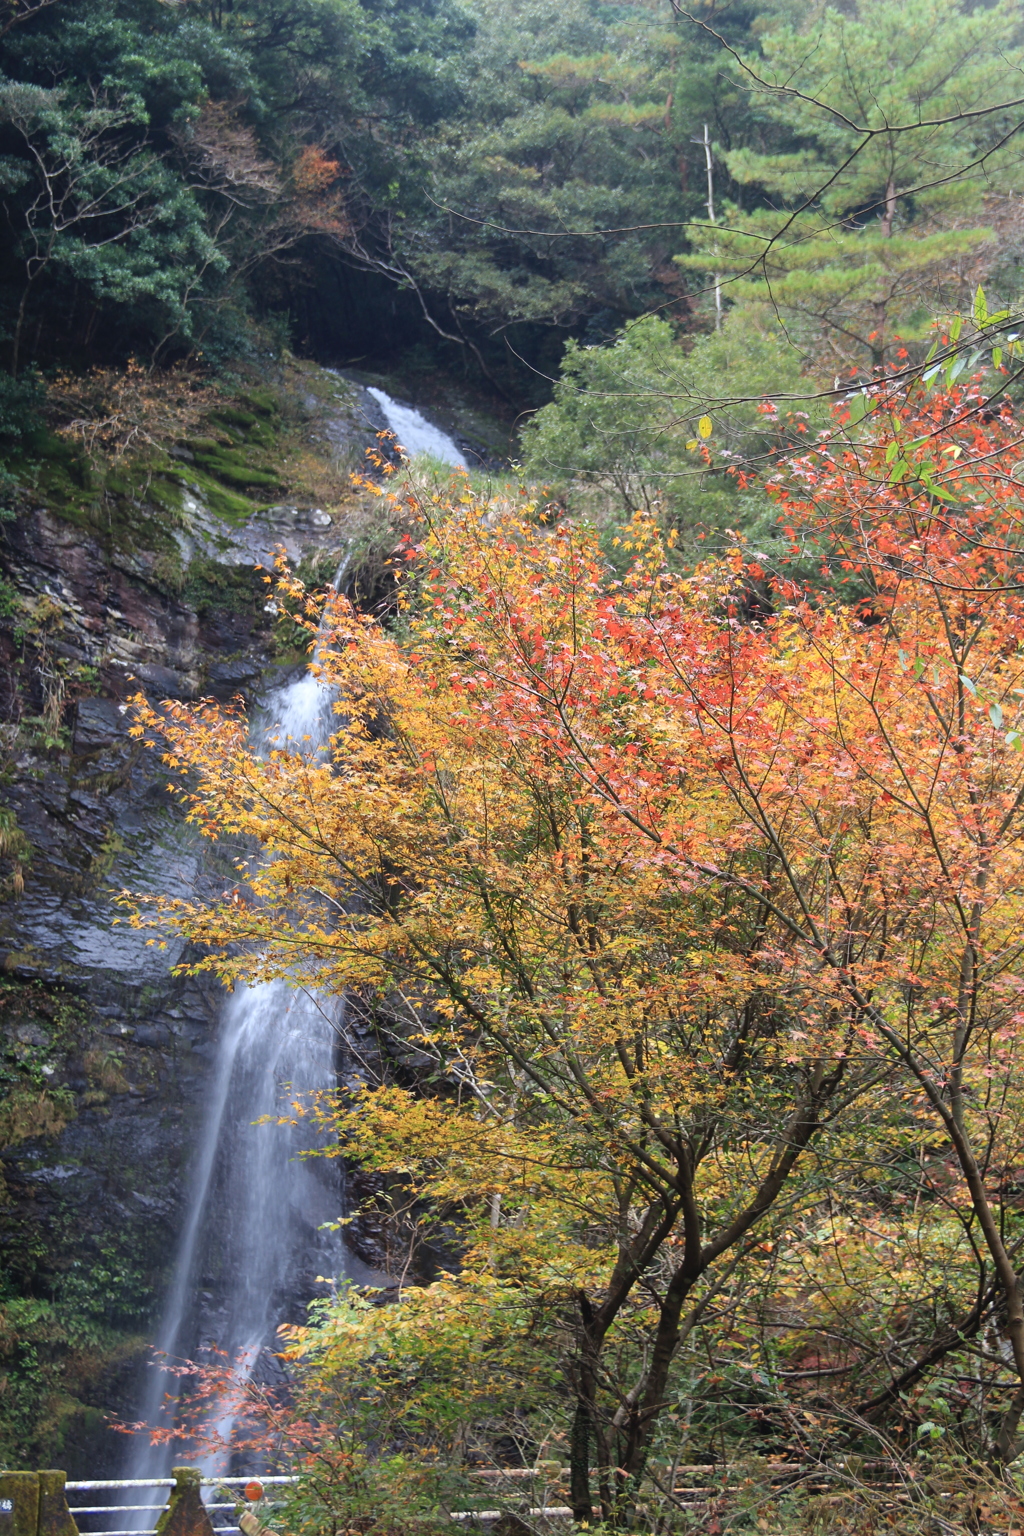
(415, 433)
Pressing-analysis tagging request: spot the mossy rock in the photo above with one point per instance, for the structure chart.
(223, 503)
(145, 484)
(53, 451)
(243, 427)
(57, 469)
(263, 433)
(260, 400)
(230, 416)
(209, 585)
(233, 469)
(244, 476)
(165, 494)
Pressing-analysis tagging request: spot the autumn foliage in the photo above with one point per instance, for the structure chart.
(709, 923)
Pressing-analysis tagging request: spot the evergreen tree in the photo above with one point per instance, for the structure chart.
(883, 131)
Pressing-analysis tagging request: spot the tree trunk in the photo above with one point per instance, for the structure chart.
(645, 1415)
(583, 1418)
(579, 1458)
(18, 327)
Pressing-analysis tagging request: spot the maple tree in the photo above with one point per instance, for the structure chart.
(668, 896)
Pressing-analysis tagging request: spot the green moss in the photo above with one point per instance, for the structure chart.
(232, 508)
(233, 469)
(263, 433)
(131, 504)
(142, 482)
(230, 416)
(59, 476)
(44, 451)
(168, 572)
(167, 495)
(210, 585)
(261, 401)
(38, 1028)
(247, 426)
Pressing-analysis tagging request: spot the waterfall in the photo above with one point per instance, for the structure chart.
(415, 433)
(252, 1245)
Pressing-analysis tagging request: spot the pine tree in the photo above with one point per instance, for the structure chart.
(883, 132)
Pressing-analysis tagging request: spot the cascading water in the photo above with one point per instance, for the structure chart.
(253, 1242)
(415, 433)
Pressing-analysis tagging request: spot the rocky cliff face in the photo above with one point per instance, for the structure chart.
(104, 1053)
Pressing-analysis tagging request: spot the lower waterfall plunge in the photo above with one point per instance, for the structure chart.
(256, 1208)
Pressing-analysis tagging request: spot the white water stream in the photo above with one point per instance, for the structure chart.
(253, 1245)
(415, 433)
(252, 1242)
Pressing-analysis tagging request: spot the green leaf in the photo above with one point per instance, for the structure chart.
(858, 405)
(980, 307)
(926, 476)
(972, 688)
(995, 714)
(997, 357)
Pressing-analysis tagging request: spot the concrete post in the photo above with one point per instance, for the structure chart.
(185, 1514)
(54, 1516)
(19, 1503)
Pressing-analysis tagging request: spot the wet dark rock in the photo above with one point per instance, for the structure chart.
(225, 677)
(153, 1034)
(123, 1045)
(165, 682)
(98, 723)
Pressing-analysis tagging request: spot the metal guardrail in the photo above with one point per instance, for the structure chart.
(35, 1503)
(84, 1485)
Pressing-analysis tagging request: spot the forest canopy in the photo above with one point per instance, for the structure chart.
(176, 173)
